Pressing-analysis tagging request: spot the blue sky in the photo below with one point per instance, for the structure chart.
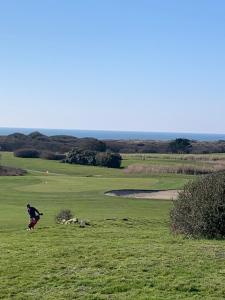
(113, 64)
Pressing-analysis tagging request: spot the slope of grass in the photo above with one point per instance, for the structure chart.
(43, 165)
(111, 259)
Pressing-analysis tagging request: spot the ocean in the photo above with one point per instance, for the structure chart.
(117, 135)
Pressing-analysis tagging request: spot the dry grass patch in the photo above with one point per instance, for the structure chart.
(175, 169)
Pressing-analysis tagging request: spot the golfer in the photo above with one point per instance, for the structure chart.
(34, 216)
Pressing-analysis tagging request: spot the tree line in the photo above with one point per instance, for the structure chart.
(62, 144)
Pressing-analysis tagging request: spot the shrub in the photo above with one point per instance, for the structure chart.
(82, 157)
(64, 214)
(52, 156)
(199, 210)
(9, 171)
(110, 160)
(93, 158)
(27, 153)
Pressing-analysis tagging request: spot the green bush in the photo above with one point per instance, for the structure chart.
(27, 153)
(81, 157)
(52, 155)
(199, 210)
(93, 158)
(106, 159)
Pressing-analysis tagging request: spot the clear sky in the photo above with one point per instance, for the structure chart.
(145, 65)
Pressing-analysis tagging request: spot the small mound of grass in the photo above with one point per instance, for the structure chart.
(9, 171)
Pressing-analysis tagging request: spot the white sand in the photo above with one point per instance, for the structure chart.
(145, 194)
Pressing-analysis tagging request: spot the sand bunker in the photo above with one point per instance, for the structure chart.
(145, 194)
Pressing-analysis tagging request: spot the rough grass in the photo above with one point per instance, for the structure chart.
(175, 169)
(111, 259)
(173, 163)
(195, 157)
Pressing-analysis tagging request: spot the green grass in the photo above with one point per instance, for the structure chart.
(111, 259)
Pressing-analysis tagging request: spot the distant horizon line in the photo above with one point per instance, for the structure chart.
(115, 130)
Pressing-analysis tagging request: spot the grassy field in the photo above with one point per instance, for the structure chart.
(111, 259)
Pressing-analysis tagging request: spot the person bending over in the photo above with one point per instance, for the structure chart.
(34, 216)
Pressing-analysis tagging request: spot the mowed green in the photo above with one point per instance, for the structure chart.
(112, 258)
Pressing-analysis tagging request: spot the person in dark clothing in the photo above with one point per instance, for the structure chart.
(34, 216)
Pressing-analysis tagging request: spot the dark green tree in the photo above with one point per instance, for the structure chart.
(180, 146)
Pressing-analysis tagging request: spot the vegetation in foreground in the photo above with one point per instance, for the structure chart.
(200, 208)
(128, 252)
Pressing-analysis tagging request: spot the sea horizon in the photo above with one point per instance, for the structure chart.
(117, 135)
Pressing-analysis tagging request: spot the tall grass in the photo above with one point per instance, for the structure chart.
(175, 169)
(191, 157)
